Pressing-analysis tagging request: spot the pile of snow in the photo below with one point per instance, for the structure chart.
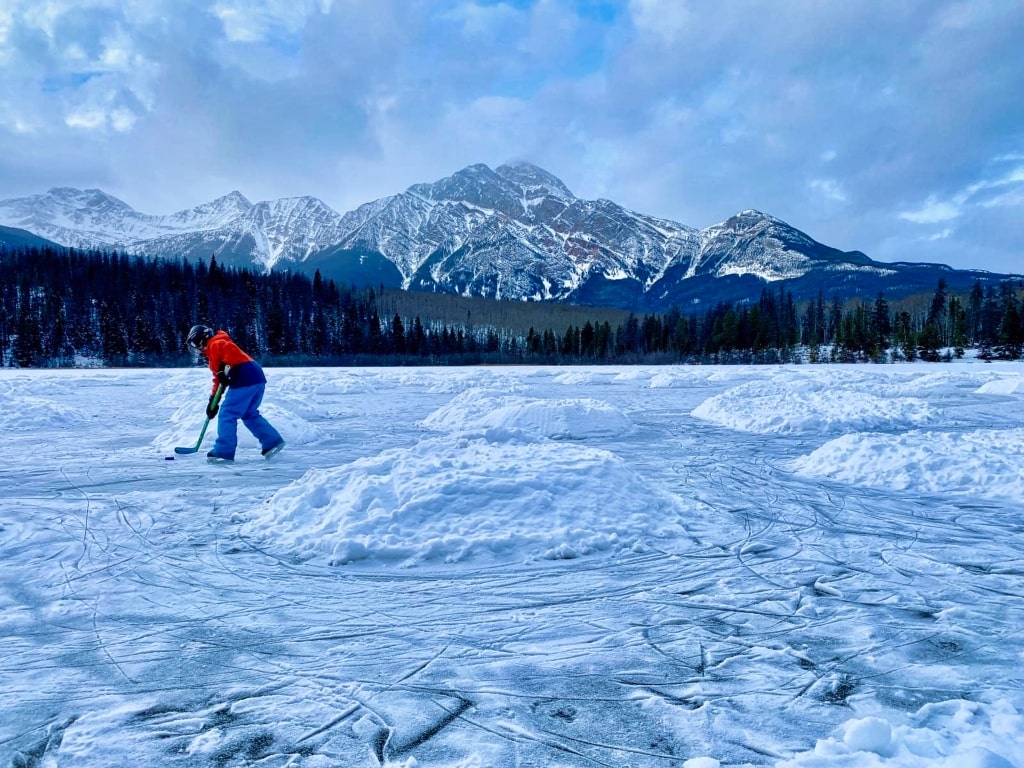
(984, 462)
(670, 380)
(27, 414)
(299, 383)
(499, 495)
(574, 377)
(1010, 385)
(569, 419)
(951, 734)
(457, 380)
(632, 375)
(792, 405)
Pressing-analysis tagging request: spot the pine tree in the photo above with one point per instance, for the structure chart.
(27, 349)
(957, 326)
(1011, 332)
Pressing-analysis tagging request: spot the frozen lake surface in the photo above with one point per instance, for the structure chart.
(654, 566)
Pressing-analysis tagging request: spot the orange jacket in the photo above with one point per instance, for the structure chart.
(221, 351)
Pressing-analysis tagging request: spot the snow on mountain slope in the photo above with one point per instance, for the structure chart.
(288, 229)
(91, 218)
(514, 232)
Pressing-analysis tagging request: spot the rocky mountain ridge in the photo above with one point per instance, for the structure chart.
(515, 232)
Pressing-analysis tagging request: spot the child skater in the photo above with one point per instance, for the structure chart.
(243, 377)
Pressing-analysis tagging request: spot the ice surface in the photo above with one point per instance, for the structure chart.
(796, 566)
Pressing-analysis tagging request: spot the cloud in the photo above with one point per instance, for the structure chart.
(1008, 187)
(865, 124)
(665, 20)
(484, 22)
(829, 189)
(258, 21)
(933, 211)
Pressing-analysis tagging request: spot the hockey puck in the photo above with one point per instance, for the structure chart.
(168, 458)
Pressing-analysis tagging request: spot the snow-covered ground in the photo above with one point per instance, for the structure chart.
(696, 566)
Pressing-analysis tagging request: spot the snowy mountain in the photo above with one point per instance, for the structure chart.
(517, 232)
(230, 227)
(514, 232)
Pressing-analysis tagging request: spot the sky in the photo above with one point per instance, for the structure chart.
(896, 129)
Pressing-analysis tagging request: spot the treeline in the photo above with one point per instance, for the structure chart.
(68, 308)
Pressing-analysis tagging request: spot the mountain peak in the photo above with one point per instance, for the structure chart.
(751, 215)
(748, 220)
(533, 178)
(234, 198)
(85, 198)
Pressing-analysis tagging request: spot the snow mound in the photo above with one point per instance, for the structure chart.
(950, 734)
(577, 419)
(500, 495)
(455, 381)
(1010, 385)
(787, 405)
(304, 384)
(984, 462)
(677, 379)
(572, 378)
(25, 414)
(632, 375)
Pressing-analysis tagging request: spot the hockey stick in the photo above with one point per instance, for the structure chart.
(199, 442)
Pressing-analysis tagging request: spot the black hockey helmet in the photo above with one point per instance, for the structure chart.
(198, 335)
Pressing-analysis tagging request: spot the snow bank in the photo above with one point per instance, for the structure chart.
(458, 380)
(577, 419)
(573, 377)
(1010, 385)
(673, 379)
(319, 383)
(983, 462)
(815, 404)
(27, 414)
(501, 494)
(945, 381)
(951, 734)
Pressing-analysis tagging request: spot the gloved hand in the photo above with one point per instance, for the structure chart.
(223, 378)
(212, 408)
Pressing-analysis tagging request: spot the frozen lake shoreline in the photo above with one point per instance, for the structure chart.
(798, 566)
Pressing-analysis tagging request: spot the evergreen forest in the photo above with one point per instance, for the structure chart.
(62, 307)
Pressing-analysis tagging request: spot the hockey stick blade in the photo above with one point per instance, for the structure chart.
(199, 442)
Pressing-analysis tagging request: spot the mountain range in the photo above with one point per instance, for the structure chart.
(515, 232)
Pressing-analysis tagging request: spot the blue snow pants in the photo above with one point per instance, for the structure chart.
(242, 403)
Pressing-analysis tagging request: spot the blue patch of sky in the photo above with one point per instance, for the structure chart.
(67, 81)
(606, 11)
(519, 76)
(280, 39)
(585, 55)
